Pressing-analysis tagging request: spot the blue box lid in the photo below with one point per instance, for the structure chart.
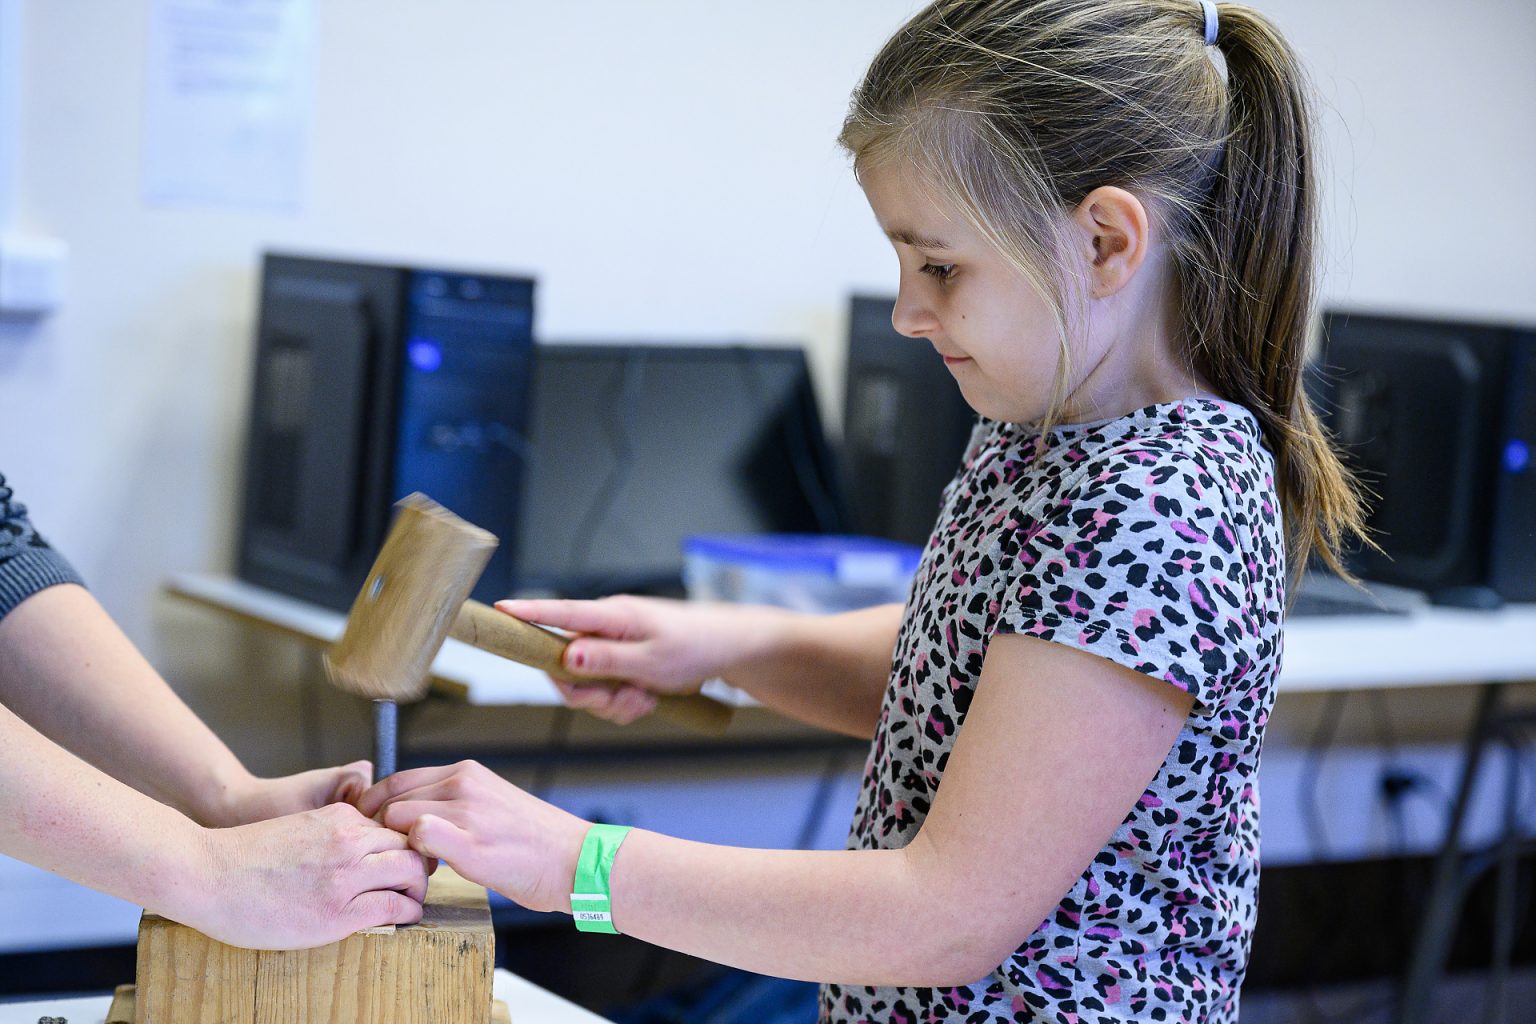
(848, 558)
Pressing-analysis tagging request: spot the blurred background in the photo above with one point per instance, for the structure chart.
(666, 175)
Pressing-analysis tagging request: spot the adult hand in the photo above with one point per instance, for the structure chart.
(304, 880)
(251, 799)
(485, 828)
(659, 646)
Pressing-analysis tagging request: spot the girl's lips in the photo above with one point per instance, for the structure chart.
(952, 360)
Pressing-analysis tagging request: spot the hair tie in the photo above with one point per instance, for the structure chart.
(1210, 21)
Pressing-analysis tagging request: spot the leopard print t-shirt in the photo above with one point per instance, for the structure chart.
(1154, 540)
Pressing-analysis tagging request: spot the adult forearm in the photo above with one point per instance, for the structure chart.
(69, 818)
(827, 670)
(871, 917)
(69, 671)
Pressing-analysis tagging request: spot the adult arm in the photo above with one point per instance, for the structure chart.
(826, 670)
(300, 880)
(1057, 747)
(69, 671)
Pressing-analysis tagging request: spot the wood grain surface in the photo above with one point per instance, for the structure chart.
(435, 972)
(122, 1010)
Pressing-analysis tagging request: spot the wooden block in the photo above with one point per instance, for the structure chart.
(123, 1003)
(182, 975)
(121, 1011)
(435, 972)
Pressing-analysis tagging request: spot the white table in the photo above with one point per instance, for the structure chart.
(1431, 646)
(526, 1002)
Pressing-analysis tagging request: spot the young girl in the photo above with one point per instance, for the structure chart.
(1109, 241)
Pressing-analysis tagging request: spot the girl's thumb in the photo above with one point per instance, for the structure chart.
(438, 838)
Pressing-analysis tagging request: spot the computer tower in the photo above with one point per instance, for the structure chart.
(1438, 417)
(371, 382)
(905, 426)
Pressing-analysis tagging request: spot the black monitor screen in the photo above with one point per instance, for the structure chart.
(1414, 406)
(905, 426)
(635, 447)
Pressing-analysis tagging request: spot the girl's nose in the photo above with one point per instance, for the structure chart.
(911, 316)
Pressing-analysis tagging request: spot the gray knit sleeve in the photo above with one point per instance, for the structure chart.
(27, 563)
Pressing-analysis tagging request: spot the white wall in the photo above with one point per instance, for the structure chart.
(666, 169)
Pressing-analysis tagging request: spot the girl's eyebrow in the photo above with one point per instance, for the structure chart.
(918, 241)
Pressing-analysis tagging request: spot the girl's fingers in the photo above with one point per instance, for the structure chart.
(382, 792)
(402, 815)
(634, 703)
(585, 698)
(575, 616)
(613, 659)
(439, 839)
(622, 705)
(440, 792)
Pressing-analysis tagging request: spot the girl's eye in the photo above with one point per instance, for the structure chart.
(942, 271)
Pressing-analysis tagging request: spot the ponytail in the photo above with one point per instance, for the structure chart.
(1251, 319)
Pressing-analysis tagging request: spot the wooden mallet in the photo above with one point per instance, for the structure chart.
(417, 595)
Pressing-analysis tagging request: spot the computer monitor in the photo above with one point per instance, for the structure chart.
(372, 381)
(1438, 417)
(634, 447)
(905, 426)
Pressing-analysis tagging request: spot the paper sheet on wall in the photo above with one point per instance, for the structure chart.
(227, 102)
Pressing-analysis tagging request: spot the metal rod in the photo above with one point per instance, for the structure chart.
(385, 733)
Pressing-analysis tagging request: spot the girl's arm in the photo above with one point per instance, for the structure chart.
(69, 671)
(827, 670)
(1057, 747)
(301, 880)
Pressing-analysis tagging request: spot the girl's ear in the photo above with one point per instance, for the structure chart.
(1112, 225)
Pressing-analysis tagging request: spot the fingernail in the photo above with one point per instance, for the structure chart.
(577, 658)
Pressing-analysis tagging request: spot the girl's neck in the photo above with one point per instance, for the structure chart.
(1144, 362)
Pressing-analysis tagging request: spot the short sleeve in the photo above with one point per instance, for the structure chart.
(27, 563)
(1140, 562)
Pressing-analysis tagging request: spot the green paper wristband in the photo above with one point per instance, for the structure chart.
(590, 903)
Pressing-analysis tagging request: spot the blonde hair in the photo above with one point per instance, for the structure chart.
(1015, 110)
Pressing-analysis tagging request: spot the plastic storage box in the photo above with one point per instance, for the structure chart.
(808, 573)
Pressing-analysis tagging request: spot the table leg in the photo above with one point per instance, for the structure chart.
(1443, 907)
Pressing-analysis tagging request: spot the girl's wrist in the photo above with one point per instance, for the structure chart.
(763, 635)
(570, 854)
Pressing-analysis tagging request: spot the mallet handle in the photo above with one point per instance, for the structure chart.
(482, 626)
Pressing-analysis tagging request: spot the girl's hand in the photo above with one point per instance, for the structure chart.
(658, 645)
(252, 799)
(485, 828)
(302, 880)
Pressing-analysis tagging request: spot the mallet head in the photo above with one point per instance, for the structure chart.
(410, 598)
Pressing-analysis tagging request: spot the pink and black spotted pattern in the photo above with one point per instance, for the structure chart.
(1154, 540)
